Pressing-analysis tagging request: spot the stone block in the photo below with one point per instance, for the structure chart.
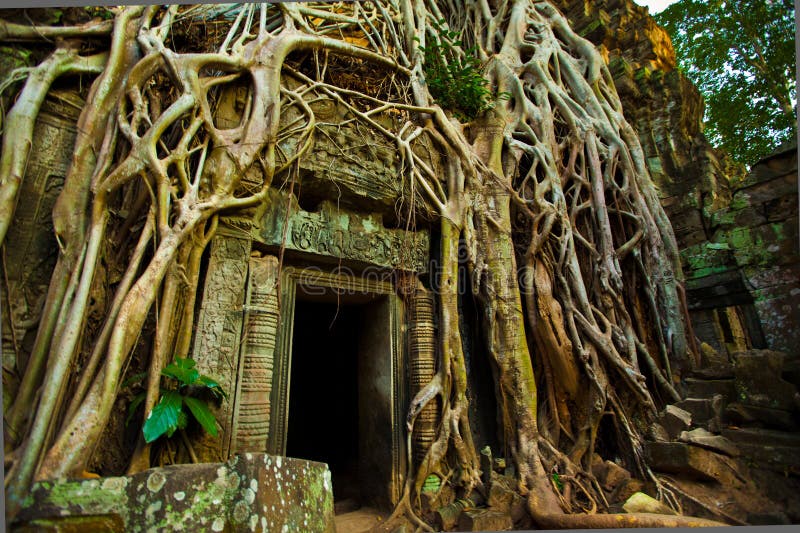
(674, 419)
(749, 216)
(762, 437)
(758, 380)
(773, 450)
(248, 493)
(613, 476)
(642, 503)
(778, 308)
(774, 276)
(692, 461)
(501, 494)
(712, 358)
(335, 232)
(715, 443)
(704, 411)
(752, 415)
(721, 371)
(780, 209)
(707, 388)
(769, 187)
(484, 520)
(626, 489)
(657, 433)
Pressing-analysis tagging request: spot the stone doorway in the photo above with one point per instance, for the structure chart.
(324, 393)
(340, 392)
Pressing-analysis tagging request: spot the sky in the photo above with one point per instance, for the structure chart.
(655, 6)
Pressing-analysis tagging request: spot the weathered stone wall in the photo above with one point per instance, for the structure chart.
(753, 254)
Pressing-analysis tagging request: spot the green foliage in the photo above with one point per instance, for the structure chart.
(454, 78)
(100, 12)
(188, 388)
(558, 482)
(741, 55)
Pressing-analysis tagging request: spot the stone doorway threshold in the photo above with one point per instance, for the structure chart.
(362, 520)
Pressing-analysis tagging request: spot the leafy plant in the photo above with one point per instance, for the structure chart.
(169, 414)
(455, 79)
(557, 480)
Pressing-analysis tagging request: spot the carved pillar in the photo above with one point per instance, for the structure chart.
(218, 334)
(422, 362)
(252, 408)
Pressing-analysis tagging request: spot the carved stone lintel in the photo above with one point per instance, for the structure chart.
(252, 409)
(335, 232)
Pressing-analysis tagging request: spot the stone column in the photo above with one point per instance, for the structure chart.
(252, 408)
(422, 362)
(218, 334)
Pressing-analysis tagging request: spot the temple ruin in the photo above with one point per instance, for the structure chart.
(435, 319)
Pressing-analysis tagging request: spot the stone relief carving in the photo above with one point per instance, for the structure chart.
(357, 160)
(31, 234)
(422, 367)
(218, 334)
(338, 233)
(252, 404)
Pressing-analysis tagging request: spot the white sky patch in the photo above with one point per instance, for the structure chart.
(656, 6)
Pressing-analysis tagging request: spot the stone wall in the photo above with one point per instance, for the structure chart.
(32, 253)
(752, 257)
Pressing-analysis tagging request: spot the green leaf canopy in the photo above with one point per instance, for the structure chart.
(741, 55)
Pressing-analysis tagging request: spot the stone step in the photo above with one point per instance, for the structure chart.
(704, 411)
(739, 414)
(713, 372)
(675, 420)
(758, 436)
(484, 520)
(707, 388)
(783, 459)
(692, 461)
(705, 439)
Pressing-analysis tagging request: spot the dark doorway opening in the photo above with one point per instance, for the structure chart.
(324, 394)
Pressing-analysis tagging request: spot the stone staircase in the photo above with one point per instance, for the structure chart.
(738, 427)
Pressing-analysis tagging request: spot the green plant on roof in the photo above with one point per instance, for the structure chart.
(454, 79)
(187, 389)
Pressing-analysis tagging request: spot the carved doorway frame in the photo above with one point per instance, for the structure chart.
(314, 277)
